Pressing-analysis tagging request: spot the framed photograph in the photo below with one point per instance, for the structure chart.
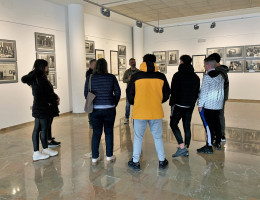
(219, 50)
(44, 42)
(7, 50)
(121, 50)
(252, 65)
(234, 52)
(162, 68)
(89, 47)
(52, 77)
(99, 53)
(121, 74)
(252, 51)
(173, 57)
(235, 65)
(114, 62)
(121, 63)
(88, 59)
(49, 57)
(8, 72)
(198, 63)
(160, 56)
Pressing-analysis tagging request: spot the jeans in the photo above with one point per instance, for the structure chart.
(185, 114)
(40, 130)
(49, 129)
(127, 109)
(103, 118)
(156, 129)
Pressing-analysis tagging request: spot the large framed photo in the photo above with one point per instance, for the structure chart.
(89, 47)
(234, 52)
(49, 57)
(44, 42)
(252, 65)
(173, 57)
(8, 72)
(121, 50)
(114, 62)
(235, 65)
(121, 63)
(89, 57)
(218, 50)
(99, 53)
(198, 63)
(252, 51)
(52, 77)
(7, 50)
(162, 68)
(160, 56)
(121, 74)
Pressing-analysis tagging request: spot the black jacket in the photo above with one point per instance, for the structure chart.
(90, 71)
(44, 98)
(223, 70)
(185, 86)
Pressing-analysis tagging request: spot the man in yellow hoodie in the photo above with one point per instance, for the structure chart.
(147, 90)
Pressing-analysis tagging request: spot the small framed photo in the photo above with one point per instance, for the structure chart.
(7, 50)
(218, 50)
(162, 68)
(252, 51)
(198, 63)
(8, 72)
(173, 57)
(44, 42)
(121, 50)
(114, 62)
(49, 57)
(252, 65)
(99, 53)
(234, 52)
(121, 74)
(160, 56)
(52, 77)
(121, 63)
(89, 57)
(89, 47)
(235, 65)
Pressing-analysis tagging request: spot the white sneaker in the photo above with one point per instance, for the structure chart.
(126, 121)
(95, 161)
(39, 156)
(111, 159)
(50, 152)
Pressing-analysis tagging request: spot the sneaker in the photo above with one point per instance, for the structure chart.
(126, 121)
(163, 164)
(53, 144)
(217, 146)
(95, 161)
(134, 165)
(39, 156)
(111, 159)
(180, 152)
(50, 152)
(206, 149)
(223, 139)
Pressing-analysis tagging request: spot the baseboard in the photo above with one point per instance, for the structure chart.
(243, 101)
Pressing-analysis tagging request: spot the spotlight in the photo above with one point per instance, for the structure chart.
(158, 30)
(105, 12)
(139, 24)
(213, 25)
(161, 30)
(196, 27)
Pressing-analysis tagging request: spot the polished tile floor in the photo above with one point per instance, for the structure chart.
(232, 173)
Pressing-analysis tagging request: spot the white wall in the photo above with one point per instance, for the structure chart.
(226, 33)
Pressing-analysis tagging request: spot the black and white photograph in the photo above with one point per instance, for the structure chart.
(235, 65)
(99, 53)
(173, 57)
(121, 74)
(88, 59)
(89, 47)
(198, 63)
(162, 68)
(121, 50)
(252, 65)
(8, 72)
(7, 50)
(52, 77)
(121, 63)
(218, 50)
(252, 51)
(114, 62)
(234, 52)
(44, 42)
(160, 56)
(49, 57)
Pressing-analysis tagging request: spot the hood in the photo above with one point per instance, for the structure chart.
(215, 77)
(31, 77)
(186, 68)
(223, 69)
(213, 73)
(148, 67)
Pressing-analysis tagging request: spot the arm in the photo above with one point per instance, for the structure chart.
(174, 90)
(130, 91)
(203, 92)
(86, 88)
(125, 77)
(166, 90)
(117, 90)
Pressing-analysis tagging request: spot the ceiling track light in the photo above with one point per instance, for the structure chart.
(105, 12)
(158, 30)
(213, 25)
(196, 27)
(139, 24)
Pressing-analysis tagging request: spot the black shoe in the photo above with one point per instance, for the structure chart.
(206, 149)
(163, 164)
(134, 165)
(217, 146)
(223, 138)
(181, 152)
(53, 143)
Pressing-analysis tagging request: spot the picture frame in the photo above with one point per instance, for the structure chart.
(8, 72)
(49, 57)
(89, 47)
(218, 50)
(52, 77)
(8, 50)
(235, 65)
(121, 50)
(99, 54)
(252, 51)
(114, 62)
(198, 63)
(44, 42)
(173, 57)
(89, 57)
(121, 75)
(160, 56)
(234, 52)
(121, 63)
(162, 68)
(252, 65)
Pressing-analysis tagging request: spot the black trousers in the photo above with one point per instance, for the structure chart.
(49, 129)
(40, 131)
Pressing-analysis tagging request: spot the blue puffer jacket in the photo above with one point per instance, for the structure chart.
(106, 89)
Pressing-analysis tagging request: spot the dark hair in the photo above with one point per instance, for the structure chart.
(39, 65)
(216, 56)
(149, 58)
(101, 67)
(186, 59)
(131, 59)
(91, 61)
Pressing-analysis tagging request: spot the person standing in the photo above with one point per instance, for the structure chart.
(184, 93)
(126, 78)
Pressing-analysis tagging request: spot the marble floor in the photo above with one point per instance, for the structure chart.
(232, 173)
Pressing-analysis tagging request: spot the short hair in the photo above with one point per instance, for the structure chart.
(210, 61)
(39, 65)
(131, 59)
(186, 59)
(91, 61)
(149, 58)
(101, 67)
(216, 56)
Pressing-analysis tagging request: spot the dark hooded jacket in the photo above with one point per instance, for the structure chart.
(223, 70)
(185, 86)
(44, 98)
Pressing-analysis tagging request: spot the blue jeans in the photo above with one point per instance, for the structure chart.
(127, 109)
(103, 118)
(156, 129)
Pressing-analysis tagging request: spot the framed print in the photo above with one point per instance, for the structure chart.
(121, 50)
(234, 52)
(114, 62)
(162, 68)
(160, 56)
(99, 53)
(252, 65)
(198, 63)
(173, 57)
(44, 42)
(88, 59)
(49, 57)
(8, 72)
(121, 74)
(121, 63)
(218, 50)
(252, 51)
(89, 47)
(235, 65)
(52, 77)
(7, 50)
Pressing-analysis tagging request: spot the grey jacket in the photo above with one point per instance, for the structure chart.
(128, 73)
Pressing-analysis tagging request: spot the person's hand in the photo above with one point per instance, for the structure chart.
(200, 109)
(58, 101)
(129, 77)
